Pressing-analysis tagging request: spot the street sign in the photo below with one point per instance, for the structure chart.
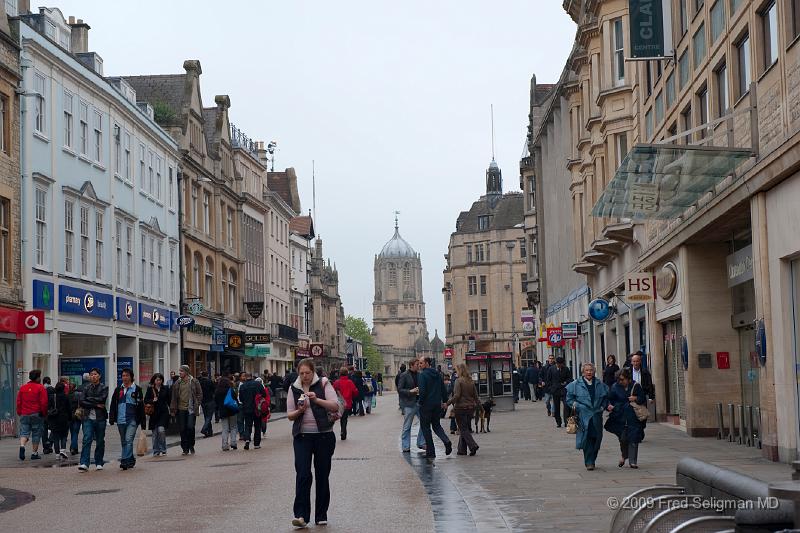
(651, 28)
(448, 353)
(640, 287)
(569, 330)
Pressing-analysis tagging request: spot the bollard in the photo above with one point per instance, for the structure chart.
(741, 439)
(748, 425)
(732, 417)
(720, 423)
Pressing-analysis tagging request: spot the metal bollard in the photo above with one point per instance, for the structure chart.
(741, 439)
(720, 423)
(757, 426)
(748, 425)
(732, 417)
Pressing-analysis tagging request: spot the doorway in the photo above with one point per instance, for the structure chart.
(674, 372)
(749, 366)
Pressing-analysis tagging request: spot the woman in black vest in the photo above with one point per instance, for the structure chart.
(309, 402)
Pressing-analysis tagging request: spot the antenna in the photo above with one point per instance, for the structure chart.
(314, 191)
(491, 107)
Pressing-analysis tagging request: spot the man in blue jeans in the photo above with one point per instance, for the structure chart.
(407, 391)
(93, 402)
(127, 411)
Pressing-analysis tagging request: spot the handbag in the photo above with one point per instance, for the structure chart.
(449, 413)
(79, 414)
(230, 402)
(141, 444)
(149, 409)
(642, 411)
(573, 422)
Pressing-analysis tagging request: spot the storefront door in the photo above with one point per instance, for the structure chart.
(796, 334)
(749, 366)
(673, 368)
(8, 387)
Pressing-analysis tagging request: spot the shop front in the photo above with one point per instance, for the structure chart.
(232, 357)
(14, 323)
(257, 349)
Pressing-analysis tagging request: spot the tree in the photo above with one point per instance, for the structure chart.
(358, 329)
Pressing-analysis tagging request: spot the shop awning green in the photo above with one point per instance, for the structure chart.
(661, 180)
(257, 350)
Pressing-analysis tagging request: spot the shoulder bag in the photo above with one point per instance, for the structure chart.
(573, 422)
(230, 402)
(642, 411)
(336, 415)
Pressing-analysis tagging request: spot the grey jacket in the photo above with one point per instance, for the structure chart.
(404, 384)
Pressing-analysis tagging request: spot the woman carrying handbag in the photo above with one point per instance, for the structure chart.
(626, 418)
(227, 401)
(589, 396)
(156, 407)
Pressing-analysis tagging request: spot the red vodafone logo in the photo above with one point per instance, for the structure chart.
(31, 322)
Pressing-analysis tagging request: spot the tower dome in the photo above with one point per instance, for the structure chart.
(397, 247)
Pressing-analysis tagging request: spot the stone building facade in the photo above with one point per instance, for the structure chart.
(326, 309)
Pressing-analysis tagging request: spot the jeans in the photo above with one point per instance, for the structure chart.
(59, 440)
(159, 440)
(319, 448)
(30, 426)
(630, 451)
(208, 415)
(229, 431)
(465, 439)
(343, 423)
(93, 430)
(252, 424)
(548, 398)
(408, 420)
(186, 424)
(429, 420)
(74, 429)
(127, 434)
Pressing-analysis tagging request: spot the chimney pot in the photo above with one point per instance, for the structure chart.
(79, 36)
(71, 20)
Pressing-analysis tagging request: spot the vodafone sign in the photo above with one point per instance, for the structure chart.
(21, 322)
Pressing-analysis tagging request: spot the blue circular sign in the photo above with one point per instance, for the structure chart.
(183, 321)
(600, 310)
(761, 342)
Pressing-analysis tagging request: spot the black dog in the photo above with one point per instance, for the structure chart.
(484, 414)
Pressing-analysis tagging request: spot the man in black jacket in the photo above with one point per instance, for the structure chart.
(532, 378)
(548, 397)
(208, 387)
(93, 402)
(248, 391)
(558, 377)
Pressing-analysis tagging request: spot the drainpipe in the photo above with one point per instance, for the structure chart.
(26, 193)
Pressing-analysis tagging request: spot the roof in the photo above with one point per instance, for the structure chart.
(285, 185)
(303, 226)
(397, 247)
(210, 119)
(506, 213)
(168, 89)
(543, 91)
(437, 345)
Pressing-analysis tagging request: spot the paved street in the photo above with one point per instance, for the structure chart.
(527, 476)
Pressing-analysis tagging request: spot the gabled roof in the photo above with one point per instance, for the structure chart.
(303, 226)
(169, 89)
(285, 185)
(506, 213)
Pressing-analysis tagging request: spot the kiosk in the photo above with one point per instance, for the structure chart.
(491, 371)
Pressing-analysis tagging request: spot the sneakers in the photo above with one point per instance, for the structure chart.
(299, 523)
(448, 448)
(98, 467)
(83, 468)
(247, 445)
(234, 447)
(473, 452)
(35, 456)
(22, 453)
(63, 455)
(322, 522)
(257, 447)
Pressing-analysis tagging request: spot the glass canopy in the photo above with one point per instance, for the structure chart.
(662, 180)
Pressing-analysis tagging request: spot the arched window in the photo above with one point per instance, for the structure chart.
(406, 275)
(196, 276)
(232, 301)
(392, 275)
(209, 293)
(223, 303)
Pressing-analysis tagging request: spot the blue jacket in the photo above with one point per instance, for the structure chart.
(432, 392)
(622, 421)
(589, 412)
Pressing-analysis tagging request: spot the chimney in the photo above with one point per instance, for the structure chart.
(24, 7)
(223, 101)
(79, 42)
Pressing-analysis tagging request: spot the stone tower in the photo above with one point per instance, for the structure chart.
(398, 309)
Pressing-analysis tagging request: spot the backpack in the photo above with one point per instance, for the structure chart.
(333, 417)
(262, 405)
(52, 408)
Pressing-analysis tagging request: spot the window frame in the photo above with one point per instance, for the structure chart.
(618, 52)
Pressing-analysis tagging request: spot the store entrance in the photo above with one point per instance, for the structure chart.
(749, 367)
(673, 369)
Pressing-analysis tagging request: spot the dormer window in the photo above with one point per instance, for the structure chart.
(483, 222)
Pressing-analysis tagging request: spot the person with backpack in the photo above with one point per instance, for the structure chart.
(227, 402)
(311, 405)
(58, 417)
(347, 389)
(372, 389)
(156, 406)
(250, 391)
(263, 407)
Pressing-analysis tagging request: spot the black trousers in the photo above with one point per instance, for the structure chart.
(252, 424)
(186, 426)
(558, 401)
(343, 423)
(313, 449)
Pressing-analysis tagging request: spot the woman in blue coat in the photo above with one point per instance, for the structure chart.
(588, 396)
(622, 421)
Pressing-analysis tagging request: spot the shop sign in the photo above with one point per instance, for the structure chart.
(471, 344)
(82, 302)
(555, 337)
(184, 321)
(651, 28)
(448, 353)
(740, 266)
(761, 342)
(528, 323)
(75, 367)
(235, 341)
(258, 338)
(254, 309)
(600, 310)
(317, 349)
(153, 317)
(640, 287)
(667, 281)
(43, 295)
(195, 307)
(21, 322)
(126, 310)
(123, 362)
(569, 330)
(218, 336)
(258, 350)
(199, 329)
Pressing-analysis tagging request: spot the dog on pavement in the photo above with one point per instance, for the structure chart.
(483, 413)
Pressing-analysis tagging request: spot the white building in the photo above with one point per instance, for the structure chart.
(301, 232)
(99, 212)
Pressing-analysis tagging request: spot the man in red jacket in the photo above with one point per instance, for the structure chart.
(32, 410)
(348, 390)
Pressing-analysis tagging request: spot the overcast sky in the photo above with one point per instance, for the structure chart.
(391, 99)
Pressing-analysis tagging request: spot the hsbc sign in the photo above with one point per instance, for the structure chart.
(640, 287)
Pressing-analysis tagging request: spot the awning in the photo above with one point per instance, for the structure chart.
(662, 180)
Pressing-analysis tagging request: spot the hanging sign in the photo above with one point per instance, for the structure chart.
(761, 342)
(254, 309)
(569, 330)
(195, 307)
(600, 310)
(651, 29)
(555, 337)
(640, 287)
(317, 349)
(184, 321)
(528, 324)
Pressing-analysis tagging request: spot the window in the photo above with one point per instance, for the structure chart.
(5, 240)
(699, 45)
(794, 23)
(743, 65)
(717, 20)
(129, 257)
(171, 187)
(735, 5)
(84, 240)
(173, 296)
(392, 275)
(683, 16)
(152, 253)
(473, 320)
(232, 295)
(40, 103)
(69, 235)
(698, 5)
(67, 119)
(484, 320)
(98, 244)
(531, 192)
(683, 69)
(523, 282)
(196, 276)
(118, 246)
(483, 285)
(686, 120)
(41, 227)
(84, 128)
(479, 257)
(659, 107)
(209, 294)
(195, 192)
(472, 289)
(769, 27)
(117, 150)
(406, 275)
(11, 8)
(449, 324)
(98, 137)
(142, 176)
(230, 227)
(206, 212)
(144, 264)
(160, 272)
(159, 177)
(618, 52)
(483, 222)
(522, 250)
(648, 121)
(723, 99)
(151, 177)
(469, 253)
(702, 101)
(223, 304)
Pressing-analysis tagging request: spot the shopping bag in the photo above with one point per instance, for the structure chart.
(374, 402)
(141, 444)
